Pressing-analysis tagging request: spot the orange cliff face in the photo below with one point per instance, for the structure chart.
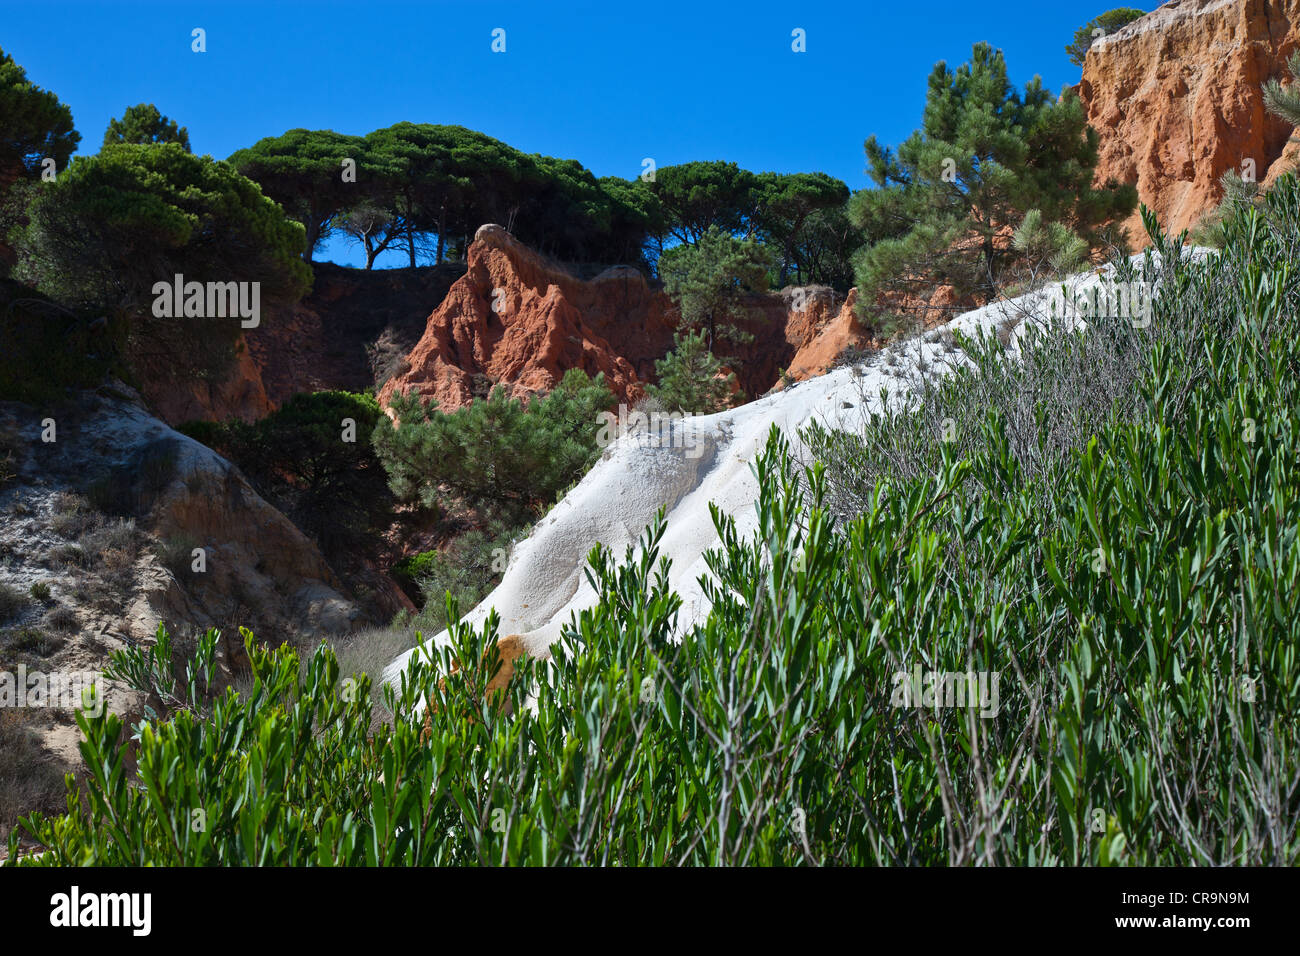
(513, 319)
(1175, 97)
(506, 317)
(240, 394)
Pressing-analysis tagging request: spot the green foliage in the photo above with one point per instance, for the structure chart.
(374, 227)
(799, 215)
(71, 349)
(788, 201)
(1145, 667)
(312, 458)
(1134, 533)
(467, 570)
(421, 176)
(114, 225)
(826, 247)
(496, 454)
(418, 186)
(690, 377)
(985, 155)
(635, 215)
(1114, 572)
(144, 124)
(302, 170)
(36, 126)
(11, 602)
(413, 567)
(711, 279)
(36, 138)
(1106, 23)
(698, 195)
(1049, 246)
(1238, 193)
(176, 554)
(1284, 101)
(8, 462)
(28, 777)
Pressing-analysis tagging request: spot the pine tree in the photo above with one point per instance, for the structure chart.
(985, 155)
(710, 279)
(1099, 26)
(690, 378)
(143, 124)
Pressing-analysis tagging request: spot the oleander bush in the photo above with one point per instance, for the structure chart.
(1123, 593)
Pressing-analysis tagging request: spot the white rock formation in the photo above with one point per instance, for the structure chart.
(707, 460)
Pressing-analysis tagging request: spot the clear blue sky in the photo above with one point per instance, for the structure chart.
(606, 84)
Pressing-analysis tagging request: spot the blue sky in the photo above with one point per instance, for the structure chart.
(606, 84)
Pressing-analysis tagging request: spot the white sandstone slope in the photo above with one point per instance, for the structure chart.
(706, 460)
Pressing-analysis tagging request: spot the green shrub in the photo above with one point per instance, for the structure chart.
(690, 378)
(73, 516)
(8, 459)
(28, 778)
(40, 591)
(61, 619)
(70, 349)
(298, 458)
(411, 568)
(113, 535)
(1108, 22)
(26, 640)
(468, 570)
(498, 454)
(69, 555)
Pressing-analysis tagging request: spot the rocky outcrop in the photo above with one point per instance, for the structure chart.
(821, 344)
(351, 332)
(516, 319)
(240, 394)
(255, 568)
(101, 526)
(1176, 99)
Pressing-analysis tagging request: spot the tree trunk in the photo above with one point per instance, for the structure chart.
(989, 253)
(442, 215)
(313, 236)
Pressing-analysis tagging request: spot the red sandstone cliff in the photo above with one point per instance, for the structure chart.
(517, 320)
(240, 394)
(1176, 99)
